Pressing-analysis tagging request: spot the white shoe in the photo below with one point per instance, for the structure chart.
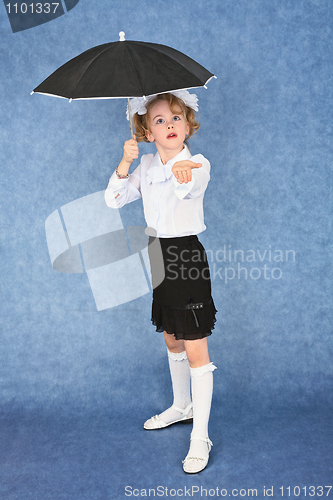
(193, 465)
(157, 423)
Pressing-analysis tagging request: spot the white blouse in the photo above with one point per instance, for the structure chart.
(171, 209)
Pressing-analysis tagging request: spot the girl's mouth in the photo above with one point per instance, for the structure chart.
(172, 135)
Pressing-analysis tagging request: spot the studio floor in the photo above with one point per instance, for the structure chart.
(108, 455)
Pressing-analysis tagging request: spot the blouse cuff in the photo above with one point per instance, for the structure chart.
(117, 184)
(181, 190)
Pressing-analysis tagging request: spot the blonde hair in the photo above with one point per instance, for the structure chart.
(141, 122)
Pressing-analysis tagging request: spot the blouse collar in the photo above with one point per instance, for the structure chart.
(157, 172)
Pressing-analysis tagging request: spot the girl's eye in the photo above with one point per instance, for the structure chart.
(176, 118)
(160, 120)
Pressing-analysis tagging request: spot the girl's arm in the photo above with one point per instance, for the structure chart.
(182, 170)
(191, 177)
(131, 152)
(123, 188)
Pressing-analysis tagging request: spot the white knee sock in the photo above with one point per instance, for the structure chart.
(202, 390)
(181, 385)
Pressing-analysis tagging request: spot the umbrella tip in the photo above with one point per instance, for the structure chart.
(121, 36)
(32, 92)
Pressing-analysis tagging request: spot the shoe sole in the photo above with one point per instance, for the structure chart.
(194, 472)
(185, 421)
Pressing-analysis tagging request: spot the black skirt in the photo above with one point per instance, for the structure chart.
(182, 300)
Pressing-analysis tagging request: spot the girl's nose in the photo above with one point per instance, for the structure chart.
(170, 125)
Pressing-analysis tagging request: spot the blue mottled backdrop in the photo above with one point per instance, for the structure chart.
(77, 383)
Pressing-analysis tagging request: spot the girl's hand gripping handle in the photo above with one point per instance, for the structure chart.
(131, 152)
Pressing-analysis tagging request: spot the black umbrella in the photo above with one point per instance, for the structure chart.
(124, 69)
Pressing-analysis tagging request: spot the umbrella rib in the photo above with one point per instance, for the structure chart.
(91, 62)
(183, 64)
(130, 53)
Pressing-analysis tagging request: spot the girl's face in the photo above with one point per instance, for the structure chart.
(167, 129)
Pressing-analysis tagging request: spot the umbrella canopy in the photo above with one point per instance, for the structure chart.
(124, 69)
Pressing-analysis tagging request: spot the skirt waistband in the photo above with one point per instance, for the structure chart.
(179, 241)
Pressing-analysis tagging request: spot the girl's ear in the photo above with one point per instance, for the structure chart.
(149, 136)
(187, 131)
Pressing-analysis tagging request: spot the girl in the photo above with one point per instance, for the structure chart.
(172, 185)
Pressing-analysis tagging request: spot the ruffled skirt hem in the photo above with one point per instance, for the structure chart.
(185, 324)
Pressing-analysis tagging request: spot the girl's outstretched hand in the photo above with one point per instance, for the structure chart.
(131, 150)
(182, 170)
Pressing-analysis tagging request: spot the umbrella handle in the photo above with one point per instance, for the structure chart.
(130, 117)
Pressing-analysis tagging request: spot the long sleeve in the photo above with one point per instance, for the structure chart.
(122, 191)
(170, 208)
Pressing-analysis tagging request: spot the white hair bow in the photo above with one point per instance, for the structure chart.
(138, 104)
